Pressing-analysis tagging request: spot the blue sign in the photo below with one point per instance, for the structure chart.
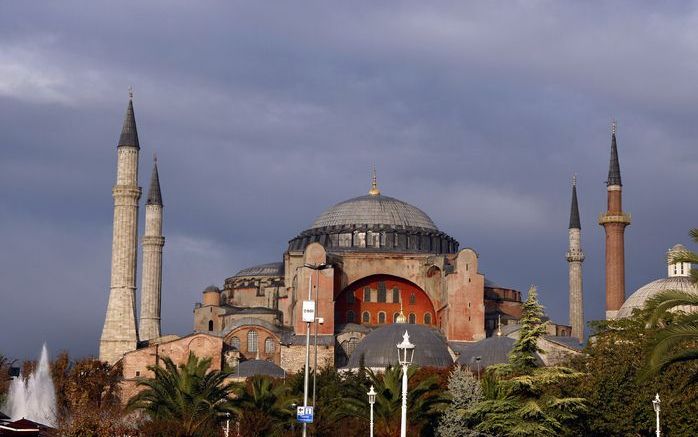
(304, 414)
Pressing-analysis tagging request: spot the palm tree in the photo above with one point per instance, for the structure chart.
(675, 340)
(188, 395)
(423, 400)
(264, 407)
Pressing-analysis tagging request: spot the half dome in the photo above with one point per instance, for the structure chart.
(643, 294)
(379, 348)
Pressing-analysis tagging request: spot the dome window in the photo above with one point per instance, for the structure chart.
(427, 318)
(269, 345)
(413, 318)
(396, 295)
(366, 317)
(367, 294)
(235, 343)
(252, 341)
(381, 317)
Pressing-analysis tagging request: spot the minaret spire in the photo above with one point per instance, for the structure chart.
(374, 191)
(614, 165)
(614, 221)
(575, 258)
(120, 334)
(153, 241)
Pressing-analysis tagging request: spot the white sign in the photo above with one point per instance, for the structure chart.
(308, 311)
(304, 414)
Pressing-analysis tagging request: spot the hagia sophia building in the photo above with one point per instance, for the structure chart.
(374, 266)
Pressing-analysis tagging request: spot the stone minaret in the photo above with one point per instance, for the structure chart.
(614, 221)
(575, 258)
(153, 241)
(120, 334)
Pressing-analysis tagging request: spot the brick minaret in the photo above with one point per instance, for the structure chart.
(151, 278)
(614, 221)
(575, 258)
(120, 334)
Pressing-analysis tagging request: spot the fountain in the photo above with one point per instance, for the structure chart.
(34, 399)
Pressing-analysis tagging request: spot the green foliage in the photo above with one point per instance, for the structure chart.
(264, 407)
(619, 391)
(523, 355)
(464, 392)
(191, 395)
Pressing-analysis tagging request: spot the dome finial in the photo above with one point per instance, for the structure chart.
(401, 317)
(499, 325)
(130, 92)
(374, 191)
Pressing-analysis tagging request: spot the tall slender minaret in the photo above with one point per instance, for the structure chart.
(153, 241)
(120, 334)
(575, 258)
(614, 221)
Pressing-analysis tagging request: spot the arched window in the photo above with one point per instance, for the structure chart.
(395, 316)
(367, 294)
(252, 341)
(381, 317)
(235, 343)
(413, 299)
(427, 318)
(210, 325)
(413, 318)
(366, 317)
(396, 295)
(350, 316)
(269, 345)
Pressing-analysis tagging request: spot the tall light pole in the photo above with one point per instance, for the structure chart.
(371, 400)
(227, 424)
(405, 351)
(656, 404)
(309, 317)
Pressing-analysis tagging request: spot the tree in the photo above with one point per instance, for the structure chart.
(521, 399)
(189, 394)
(618, 390)
(424, 401)
(264, 407)
(464, 392)
(676, 340)
(524, 354)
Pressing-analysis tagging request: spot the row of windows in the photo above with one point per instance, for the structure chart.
(381, 239)
(381, 295)
(252, 340)
(366, 317)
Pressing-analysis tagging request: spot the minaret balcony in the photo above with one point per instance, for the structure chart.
(575, 255)
(614, 217)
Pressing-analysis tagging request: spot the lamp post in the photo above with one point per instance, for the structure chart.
(309, 317)
(227, 424)
(477, 360)
(405, 351)
(656, 404)
(293, 422)
(371, 400)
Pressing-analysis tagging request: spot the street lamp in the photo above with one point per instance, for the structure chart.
(309, 308)
(227, 424)
(477, 360)
(405, 353)
(371, 400)
(656, 404)
(293, 422)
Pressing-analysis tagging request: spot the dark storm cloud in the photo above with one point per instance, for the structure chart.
(263, 116)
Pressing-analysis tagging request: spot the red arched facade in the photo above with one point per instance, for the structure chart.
(375, 300)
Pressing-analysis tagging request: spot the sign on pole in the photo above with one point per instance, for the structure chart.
(304, 414)
(308, 311)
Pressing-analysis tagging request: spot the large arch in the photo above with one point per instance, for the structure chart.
(375, 300)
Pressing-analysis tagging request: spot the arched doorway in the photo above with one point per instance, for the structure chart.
(375, 300)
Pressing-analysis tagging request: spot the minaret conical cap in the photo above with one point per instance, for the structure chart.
(129, 133)
(614, 166)
(154, 196)
(574, 210)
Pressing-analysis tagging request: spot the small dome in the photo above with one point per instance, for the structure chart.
(379, 348)
(492, 350)
(259, 367)
(640, 297)
(212, 289)
(374, 209)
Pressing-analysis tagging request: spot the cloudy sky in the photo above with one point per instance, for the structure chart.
(262, 116)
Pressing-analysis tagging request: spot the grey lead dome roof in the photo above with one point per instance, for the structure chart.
(640, 297)
(374, 210)
(379, 348)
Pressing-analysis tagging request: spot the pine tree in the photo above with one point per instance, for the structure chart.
(465, 392)
(523, 356)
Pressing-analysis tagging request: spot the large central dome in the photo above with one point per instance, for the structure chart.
(374, 209)
(375, 223)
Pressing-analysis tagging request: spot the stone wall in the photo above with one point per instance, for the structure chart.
(293, 357)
